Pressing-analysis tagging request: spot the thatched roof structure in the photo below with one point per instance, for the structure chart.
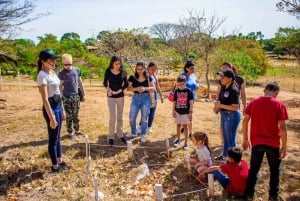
(5, 58)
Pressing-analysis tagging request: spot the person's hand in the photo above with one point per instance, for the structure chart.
(246, 144)
(161, 99)
(218, 105)
(141, 89)
(53, 123)
(63, 115)
(216, 111)
(174, 114)
(83, 99)
(109, 92)
(282, 152)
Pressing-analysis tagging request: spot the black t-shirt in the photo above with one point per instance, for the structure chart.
(182, 100)
(136, 83)
(115, 82)
(230, 95)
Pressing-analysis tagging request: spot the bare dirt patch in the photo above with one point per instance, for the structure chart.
(24, 162)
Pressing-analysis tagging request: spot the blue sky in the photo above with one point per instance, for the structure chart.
(89, 17)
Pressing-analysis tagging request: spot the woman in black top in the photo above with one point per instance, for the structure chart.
(141, 84)
(115, 81)
(228, 106)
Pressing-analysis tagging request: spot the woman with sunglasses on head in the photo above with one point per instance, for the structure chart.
(115, 81)
(70, 84)
(53, 111)
(192, 83)
(141, 85)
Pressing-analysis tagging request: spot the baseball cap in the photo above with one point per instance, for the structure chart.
(47, 54)
(227, 73)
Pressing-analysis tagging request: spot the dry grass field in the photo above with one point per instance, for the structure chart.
(24, 162)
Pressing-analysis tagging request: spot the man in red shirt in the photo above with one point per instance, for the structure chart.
(267, 129)
(232, 175)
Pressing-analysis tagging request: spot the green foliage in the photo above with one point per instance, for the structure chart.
(84, 72)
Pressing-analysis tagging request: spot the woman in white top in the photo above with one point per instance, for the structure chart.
(53, 112)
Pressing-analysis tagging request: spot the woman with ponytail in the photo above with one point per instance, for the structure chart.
(53, 112)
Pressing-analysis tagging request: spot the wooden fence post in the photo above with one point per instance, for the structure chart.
(130, 150)
(210, 185)
(158, 192)
(168, 148)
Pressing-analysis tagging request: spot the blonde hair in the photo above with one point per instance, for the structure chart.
(67, 58)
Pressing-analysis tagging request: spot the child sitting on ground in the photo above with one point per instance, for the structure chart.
(232, 175)
(202, 158)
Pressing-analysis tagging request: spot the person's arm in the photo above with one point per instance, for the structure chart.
(209, 170)
(80, 85)
(44, 94)
(232, 107)
(246, 143)
(158, 89)
(173, 109)
(283, 132)
(243, 95)
(191, 110)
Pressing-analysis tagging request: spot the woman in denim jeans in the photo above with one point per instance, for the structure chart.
(228, 106)
(53, 111)
(140, 84)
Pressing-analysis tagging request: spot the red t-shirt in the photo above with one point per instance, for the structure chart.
(265, 112)
(238, 174)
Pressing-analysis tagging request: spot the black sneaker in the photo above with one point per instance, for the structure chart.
(56, 170)
(123, 140)
(220, 158)
(64, 165)
(110, 142)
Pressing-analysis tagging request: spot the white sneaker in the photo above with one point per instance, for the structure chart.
(138, 129)
(131, 135)
(150, 130)
(143, 139)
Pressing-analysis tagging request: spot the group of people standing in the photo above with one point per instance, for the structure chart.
(61, 100)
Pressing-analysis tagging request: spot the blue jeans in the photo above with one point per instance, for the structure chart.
(152, 111)
(54, 147)
(223, 179)
(139, 102)
(257, 154)
(229, 123)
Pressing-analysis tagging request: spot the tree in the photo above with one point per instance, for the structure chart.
(165, 31)
(290, 6)
(13, 14)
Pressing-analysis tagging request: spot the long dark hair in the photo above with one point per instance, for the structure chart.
(188, 64)
(141, 63)
(113, 59)
(231, 66)
(203, 137)
(39, 66)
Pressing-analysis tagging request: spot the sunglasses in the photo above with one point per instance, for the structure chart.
(67, 64)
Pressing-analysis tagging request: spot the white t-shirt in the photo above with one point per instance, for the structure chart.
(204, 155)
(50, 80)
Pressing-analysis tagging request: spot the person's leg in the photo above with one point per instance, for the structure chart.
(257, 154)
(226, 125)
(186, 133)
(53, 140)
(236, 118)
(145, 107)
(76, 107)
(273, 155)
(120, 106)
(152, 111)
(221, 178)
(112, 117)
(58, 117)
(134, 109)
(68, 110)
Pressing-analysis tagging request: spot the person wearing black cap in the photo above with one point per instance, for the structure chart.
(53, 112)
(228, 105)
